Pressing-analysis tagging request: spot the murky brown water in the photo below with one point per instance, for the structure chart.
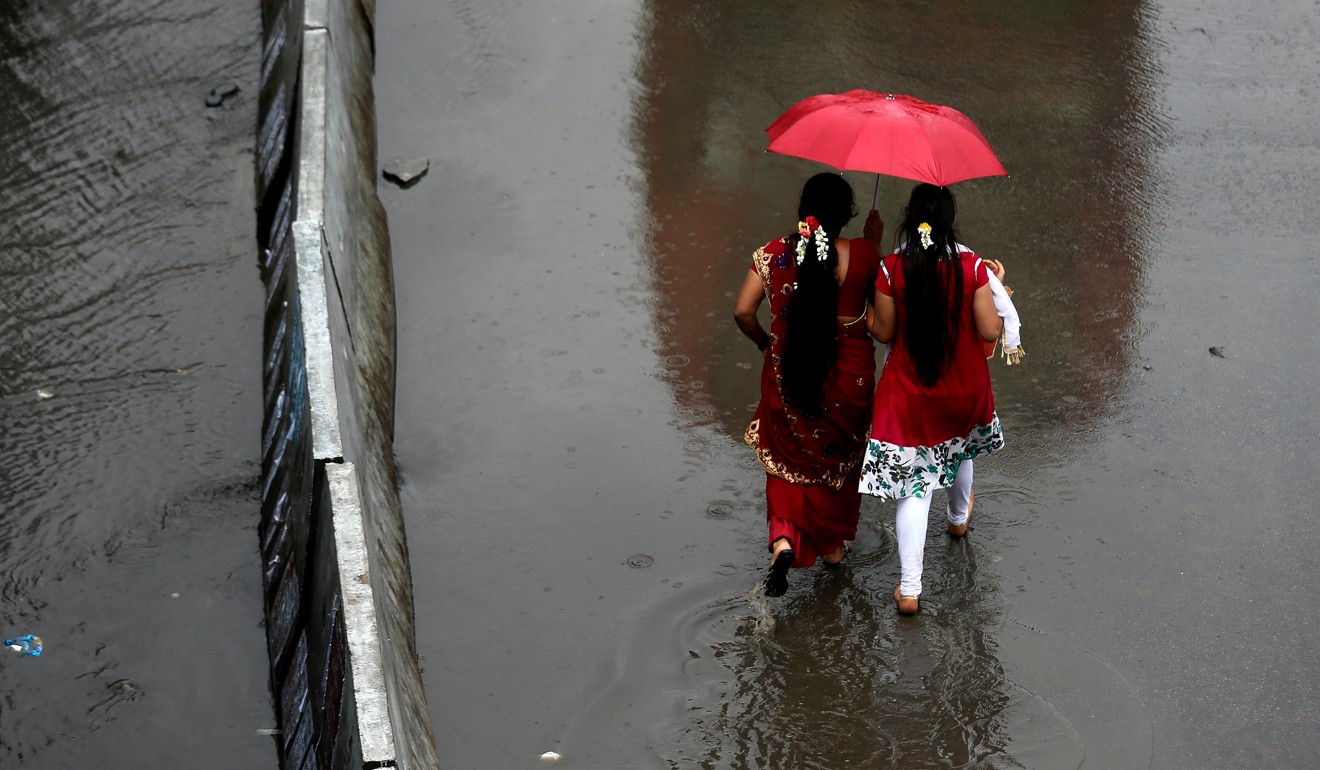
(585, 522)
(130, 413)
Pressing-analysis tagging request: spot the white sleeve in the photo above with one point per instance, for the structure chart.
(1005, 308)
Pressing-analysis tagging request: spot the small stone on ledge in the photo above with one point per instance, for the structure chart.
(406, 171)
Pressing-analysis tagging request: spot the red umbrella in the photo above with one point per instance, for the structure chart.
(891, 134)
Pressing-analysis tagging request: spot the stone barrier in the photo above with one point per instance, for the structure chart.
(339, 611)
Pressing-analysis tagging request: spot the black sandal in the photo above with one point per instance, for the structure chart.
(776, 583)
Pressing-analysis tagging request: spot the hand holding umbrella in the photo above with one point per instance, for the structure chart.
(874, 228)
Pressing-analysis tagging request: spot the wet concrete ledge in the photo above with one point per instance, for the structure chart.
(338, 588)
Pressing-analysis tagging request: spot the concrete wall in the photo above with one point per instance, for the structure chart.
(338, 591)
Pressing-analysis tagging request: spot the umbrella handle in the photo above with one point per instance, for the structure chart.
(875, 194)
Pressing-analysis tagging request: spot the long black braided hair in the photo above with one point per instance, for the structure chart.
(933, 281)
(810, 344)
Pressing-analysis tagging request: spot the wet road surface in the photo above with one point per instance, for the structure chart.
(130, 388)
(585, 524)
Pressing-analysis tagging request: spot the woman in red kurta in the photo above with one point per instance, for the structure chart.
(810, 427)
(934, 409)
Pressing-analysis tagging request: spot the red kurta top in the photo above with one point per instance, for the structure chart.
(909, 414)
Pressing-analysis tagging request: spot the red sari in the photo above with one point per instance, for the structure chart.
(813, 464)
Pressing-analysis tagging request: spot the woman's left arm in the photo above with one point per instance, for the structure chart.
(750, 296)
(988, 322)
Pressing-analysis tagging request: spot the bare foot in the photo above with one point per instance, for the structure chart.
(834, 559)
(960, 530)
(907, 605)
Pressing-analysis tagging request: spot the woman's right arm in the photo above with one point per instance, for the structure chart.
(881, 317)
(750, 296)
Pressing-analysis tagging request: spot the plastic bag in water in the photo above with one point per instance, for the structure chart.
(25, 645)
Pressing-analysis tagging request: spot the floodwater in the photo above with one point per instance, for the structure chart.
(130, 387)
(585, 524)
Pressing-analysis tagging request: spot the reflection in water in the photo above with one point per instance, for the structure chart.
(843, 682)
(830, 691)
(829, 677)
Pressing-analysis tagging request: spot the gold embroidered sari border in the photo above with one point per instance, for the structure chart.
(833, 479)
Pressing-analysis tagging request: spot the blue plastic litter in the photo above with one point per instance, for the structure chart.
(25, 645)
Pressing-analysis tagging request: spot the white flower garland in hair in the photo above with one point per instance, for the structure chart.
(924, 230)
(806, 229)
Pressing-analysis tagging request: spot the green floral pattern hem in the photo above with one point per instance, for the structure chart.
(890, 470)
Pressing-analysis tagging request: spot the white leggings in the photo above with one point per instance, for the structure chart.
(910, 526)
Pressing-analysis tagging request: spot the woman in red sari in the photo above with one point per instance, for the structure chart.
(817, 381)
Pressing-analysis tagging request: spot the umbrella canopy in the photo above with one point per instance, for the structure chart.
(890, 134)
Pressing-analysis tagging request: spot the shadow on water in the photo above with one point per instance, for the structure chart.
(829, 677)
